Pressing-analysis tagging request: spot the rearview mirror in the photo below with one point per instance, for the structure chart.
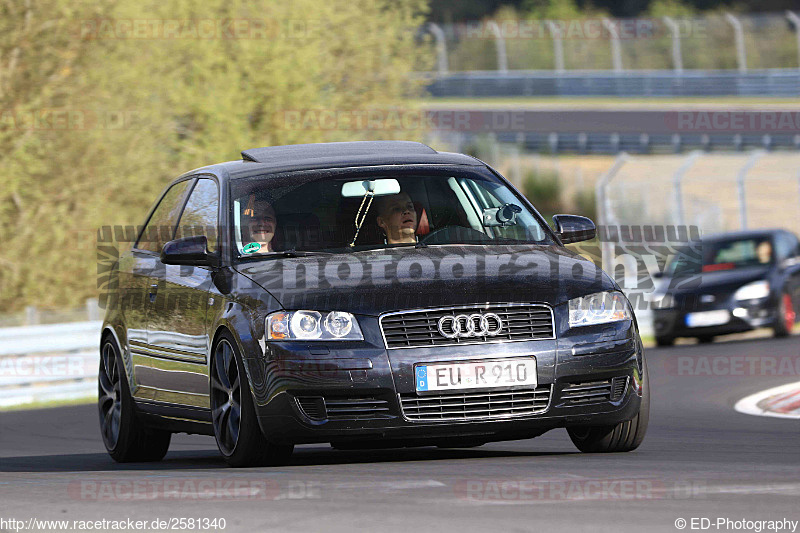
(501, 216)
(186, 251)
(574, 228)
(381, 187)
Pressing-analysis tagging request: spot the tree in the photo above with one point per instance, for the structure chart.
(147, 90)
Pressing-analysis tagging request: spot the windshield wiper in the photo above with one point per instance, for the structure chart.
(285, 253)
(300, 253)
(406, 245)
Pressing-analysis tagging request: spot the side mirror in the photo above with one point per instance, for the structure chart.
(573, 228)
(187, 251)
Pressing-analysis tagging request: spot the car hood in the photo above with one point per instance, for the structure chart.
(718, 281)
(380, 281)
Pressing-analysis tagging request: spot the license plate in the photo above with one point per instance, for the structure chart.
(476, 375)
(707, 318)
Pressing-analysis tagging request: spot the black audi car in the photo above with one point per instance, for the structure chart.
(366, 294)
(730, 283)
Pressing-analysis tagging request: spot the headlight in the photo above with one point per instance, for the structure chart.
(752, 291)
(662, 301)
(598, 308)
(312, 325)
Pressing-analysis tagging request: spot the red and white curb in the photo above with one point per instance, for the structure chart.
(778, 402)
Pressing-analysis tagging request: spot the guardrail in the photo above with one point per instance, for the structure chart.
(627, 84)
(48, 363)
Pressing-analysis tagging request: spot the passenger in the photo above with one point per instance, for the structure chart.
(260, 221)
(764, 252)
(397, 218)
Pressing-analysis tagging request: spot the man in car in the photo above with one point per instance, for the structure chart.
(397, 218)
(259, 219)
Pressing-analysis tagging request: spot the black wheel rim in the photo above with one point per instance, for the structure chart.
(226, 397)
(109, 396)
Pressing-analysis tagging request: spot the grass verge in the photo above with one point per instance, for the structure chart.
(83, 400)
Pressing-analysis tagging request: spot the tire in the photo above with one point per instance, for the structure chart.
(239, 437)
(705, 339)
(125, 437)
(665, 341)
(623, 437)
(784, 317)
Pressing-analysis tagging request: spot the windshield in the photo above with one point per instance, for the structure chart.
(728, 254)
(312, 213)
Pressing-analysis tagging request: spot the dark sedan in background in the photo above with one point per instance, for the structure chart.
(730, 283)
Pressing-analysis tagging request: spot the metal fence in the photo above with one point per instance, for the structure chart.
(48, 362)
(32, 315)
(634, 83)
(714, 42)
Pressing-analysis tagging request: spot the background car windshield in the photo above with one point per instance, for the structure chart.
(312, 214)
(738, 253)
(726, 254)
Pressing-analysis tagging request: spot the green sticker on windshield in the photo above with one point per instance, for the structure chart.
(251, 248)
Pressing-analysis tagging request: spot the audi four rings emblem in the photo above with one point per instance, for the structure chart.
(465, 326)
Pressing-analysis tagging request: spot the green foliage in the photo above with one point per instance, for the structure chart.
(670, 8)
(554, 9)
(543, 189)
(142, 110)
(585, 202)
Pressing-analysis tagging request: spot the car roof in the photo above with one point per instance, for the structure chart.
(296, 157)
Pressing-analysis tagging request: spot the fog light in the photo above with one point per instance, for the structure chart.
(740, 312)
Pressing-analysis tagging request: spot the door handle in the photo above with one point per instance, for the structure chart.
(153, 290)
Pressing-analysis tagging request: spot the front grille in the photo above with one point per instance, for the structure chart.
(618, 388)
(587, 392)
(356, 408)
(420, 328)
(475, 405)
(312, 406)
(606, 390)
(319, 408)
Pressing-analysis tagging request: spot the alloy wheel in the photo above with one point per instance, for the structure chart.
(226, 397)
(109, 396)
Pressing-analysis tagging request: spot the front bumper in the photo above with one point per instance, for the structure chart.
(293, 384)
(744, 316)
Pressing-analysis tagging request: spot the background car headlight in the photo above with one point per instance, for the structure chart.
(662, 301)
(598, 308)
(312, 325)
(753, 291)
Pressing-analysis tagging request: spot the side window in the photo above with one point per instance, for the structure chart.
(161, 226)
(200, 216)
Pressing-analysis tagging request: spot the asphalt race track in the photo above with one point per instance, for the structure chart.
(700, 459)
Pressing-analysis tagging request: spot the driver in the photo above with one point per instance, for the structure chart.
(764, 252)
(397, 218)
